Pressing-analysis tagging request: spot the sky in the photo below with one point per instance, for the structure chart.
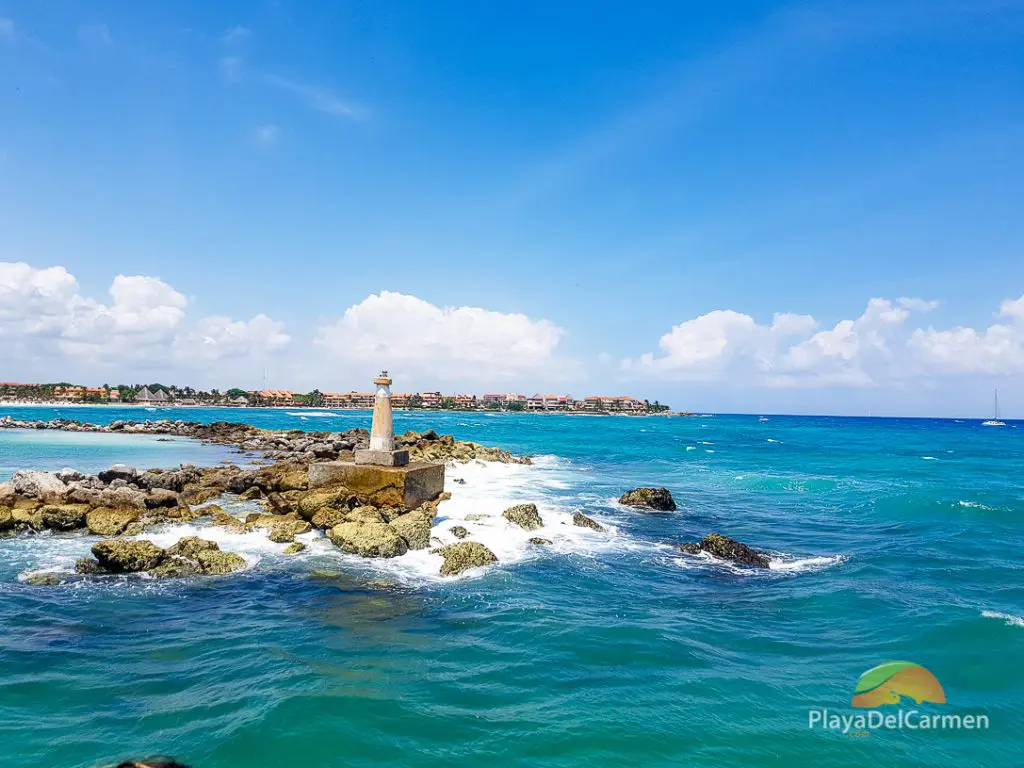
(751, 206)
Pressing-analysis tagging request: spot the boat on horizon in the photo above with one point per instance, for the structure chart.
(994, 421)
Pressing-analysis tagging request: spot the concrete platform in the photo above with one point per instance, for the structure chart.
(407, 486)
(383, 458)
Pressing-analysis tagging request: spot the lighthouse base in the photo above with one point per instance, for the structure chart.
(407, 486)
(382, 458)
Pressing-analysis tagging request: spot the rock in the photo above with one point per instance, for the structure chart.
(215, 562)
(7, 494)
(583, 521)
(119, 472)
(280, 528)
(190, 546)
(323, 498)
(134, 529)
(539, 541)
(224, 520)
(477, 516)
(176, 568)
(328, 517)
(45, 579)
(64, 517)
(389, 514)
(123, 498)
(525, 516)
(104, 521)
(7, 521)
(119, 556)
(368, 539)
(252, 493)
(365, 514)
(173, 480)
(459, 480)
(200, 495)
(80, 493)
(27, 517)
(414, 527)
(68, 475)
(283, 476)
(294, 548)
(659, 499)
(689, 547)
(88, 566)
(463, 556)
(283, 503)
(459, 532)
(725, 548)
(38, 485)
(160, 497)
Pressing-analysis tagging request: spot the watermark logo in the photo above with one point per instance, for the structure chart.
(895, 684)
(888, 683)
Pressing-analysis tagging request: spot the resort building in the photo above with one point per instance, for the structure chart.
(431, 399)
(114, 396)
(557, 402)
(276, 397)
(400, 400)
(334, 400)
(155, 396)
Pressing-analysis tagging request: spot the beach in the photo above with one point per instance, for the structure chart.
(887, 538)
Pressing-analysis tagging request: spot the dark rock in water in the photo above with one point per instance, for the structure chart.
(459, 532)
(689, 547)
(47, 579)
(90, 567)
(725, 548)
(583, 521)
(539, 541)
(463, 556)
(127, 556)
(658, 499)
(525, 516)
(458, 480)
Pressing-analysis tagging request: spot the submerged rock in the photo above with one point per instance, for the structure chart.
(727, 549)
(539, 541)
(658, 499)
(294, 548)
(583, 521)
(459, 532)
(88, 566)
(46, 579)
(368, 539)
(120, 556)
(525, 516)
(463, 556)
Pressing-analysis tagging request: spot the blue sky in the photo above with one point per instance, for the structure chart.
(590, 176)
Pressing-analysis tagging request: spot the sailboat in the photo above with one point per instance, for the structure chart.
(994, 421)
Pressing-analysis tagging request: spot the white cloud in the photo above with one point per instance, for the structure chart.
(45, 318)
(452, 344)
(267, 135)
(873, 349)
(319, 99)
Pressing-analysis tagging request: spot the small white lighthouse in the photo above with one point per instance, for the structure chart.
(382, 430)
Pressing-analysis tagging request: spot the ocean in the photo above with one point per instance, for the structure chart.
(889, 538)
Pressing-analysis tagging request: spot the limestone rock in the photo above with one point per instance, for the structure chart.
(119, 472)
(539, 541)
(323, 498)
(280, 528)
(727, 549)
(63, 517)
(459, 532)
(123, 498)
(27, 517)
(46, 579)
(6, 519)
(477, 516)
(583, 521)
(7, 494)
(283, 476)
(200, 495)
(365, 514)
(368, 539)
(215, 562)
(88, 566)
(161, 497)
(38, 485)
(190, 547)
(68, 475)
(525, 516)
(176, 568)
(120, 556)
(252, 493)
(224, 520)
(328, 517)
(294, 548)
(414, 527)
(658, 499)
(463, 556)
(104, 521)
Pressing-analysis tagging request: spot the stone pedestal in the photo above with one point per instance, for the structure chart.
(382, 458)
(382, 486)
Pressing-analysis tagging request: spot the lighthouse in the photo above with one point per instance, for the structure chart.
(382, 430)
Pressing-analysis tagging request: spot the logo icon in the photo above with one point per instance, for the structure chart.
(889, 682)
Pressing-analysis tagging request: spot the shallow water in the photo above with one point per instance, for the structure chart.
(606, 648)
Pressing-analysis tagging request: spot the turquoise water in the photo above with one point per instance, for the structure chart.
(891, 539)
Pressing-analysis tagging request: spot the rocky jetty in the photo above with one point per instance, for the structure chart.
(190, 556)
(658, 499)
(725, 548)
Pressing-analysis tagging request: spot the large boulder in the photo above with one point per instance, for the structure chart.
(7, 521)
(725, 548)
(170, 480)
(176, 568)
(525, 516)
(190, 547)
(283, 476)
(279, 528)
(63, 517)
(368, 539)
(160, 498)
(464, 555)
(328, 517)
(7, 494)
(215, 562)
(118, 556)
(366, 514)
(119, 472)
(38, 485)
(104, 521)
(414, 527)
(123, 498)
(323, 498)
(658, 499)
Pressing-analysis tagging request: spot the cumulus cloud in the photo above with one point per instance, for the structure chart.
(877, 347)
(431, 343)
(45, 318)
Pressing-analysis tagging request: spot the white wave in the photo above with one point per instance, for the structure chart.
(1009, 618)
(788, 563)
(691, 448)
(777, 562)
(772, 440)
(929, 458)
(708, 450)
(974, 505)
(705, 442)
(311, 413)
